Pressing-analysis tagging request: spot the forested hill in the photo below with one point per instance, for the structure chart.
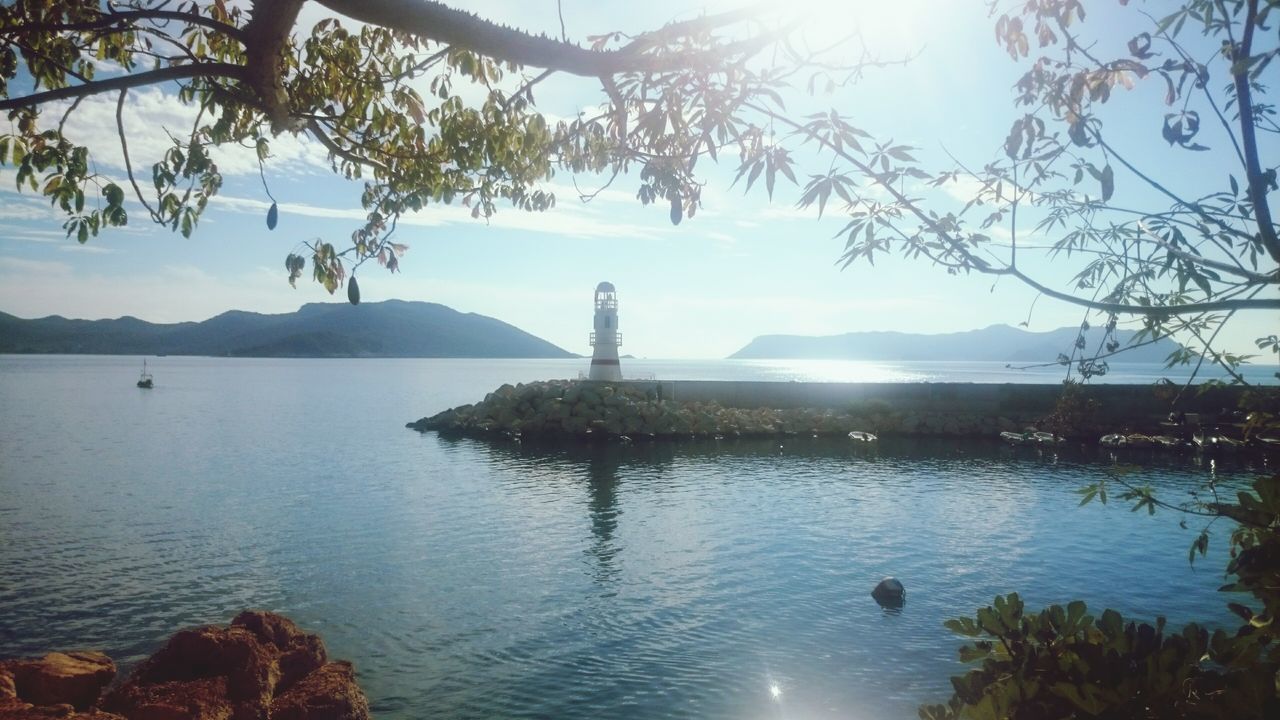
(392, 328)
(998, 342)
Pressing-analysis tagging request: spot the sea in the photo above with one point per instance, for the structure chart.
(480, 579)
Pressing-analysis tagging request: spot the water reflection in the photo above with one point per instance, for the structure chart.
(602, 506)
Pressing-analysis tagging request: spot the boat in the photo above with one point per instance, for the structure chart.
(1209, 442)
(1168, 442)
(1265, 443)
(1114, 440)
(1014, 438)
(861, 436)
(1139, 440)
(1046, 438)
(144, 380)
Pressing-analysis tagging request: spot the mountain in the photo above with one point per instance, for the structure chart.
(998, 342)
(393, 328)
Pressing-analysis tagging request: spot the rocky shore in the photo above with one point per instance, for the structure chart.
(585, 410)
(261, 667)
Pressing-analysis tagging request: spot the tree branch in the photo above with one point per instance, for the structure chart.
(434, 21)
(318, 132)
(1244, 104)
(124, 148)
(109, 19)
(976, 263)
(125, 82)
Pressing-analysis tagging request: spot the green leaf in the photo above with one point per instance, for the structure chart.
(113, 194)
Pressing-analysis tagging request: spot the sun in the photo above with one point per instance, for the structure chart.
(886, 28)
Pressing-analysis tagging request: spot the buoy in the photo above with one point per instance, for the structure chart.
(889, 593)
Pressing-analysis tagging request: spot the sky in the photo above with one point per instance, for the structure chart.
(743, 267)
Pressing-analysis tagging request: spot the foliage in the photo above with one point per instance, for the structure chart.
(1075, 414)
(1066, 663)
(430, 105)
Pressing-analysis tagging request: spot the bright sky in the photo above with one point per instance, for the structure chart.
(742, 267)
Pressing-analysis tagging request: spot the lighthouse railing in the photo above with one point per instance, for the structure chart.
(617, 340)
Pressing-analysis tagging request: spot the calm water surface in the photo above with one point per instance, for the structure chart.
(468, 579)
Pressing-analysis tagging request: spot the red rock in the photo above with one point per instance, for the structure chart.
(205, 699)
(244, 668)
(300, 652)
(330, 693)
(74, 678)
(261, 667)
(25, 711)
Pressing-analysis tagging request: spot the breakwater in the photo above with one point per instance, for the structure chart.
(709, 408)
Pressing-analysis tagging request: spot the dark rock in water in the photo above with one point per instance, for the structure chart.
(890, 593)
(262, 666)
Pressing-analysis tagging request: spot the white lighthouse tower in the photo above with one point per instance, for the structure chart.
(606, 338)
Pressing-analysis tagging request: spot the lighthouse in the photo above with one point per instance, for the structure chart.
(605, 339)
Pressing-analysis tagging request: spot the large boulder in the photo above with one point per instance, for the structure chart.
(206, 673)
(24, 711)
(330, 693)
(232, 673)
(72, 678)
(300, 653)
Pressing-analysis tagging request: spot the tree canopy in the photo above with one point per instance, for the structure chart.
(428, 104)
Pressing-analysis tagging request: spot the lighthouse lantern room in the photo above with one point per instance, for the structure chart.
(605, 339)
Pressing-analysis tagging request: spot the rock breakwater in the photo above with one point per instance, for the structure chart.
(261, 667)
(584, 410)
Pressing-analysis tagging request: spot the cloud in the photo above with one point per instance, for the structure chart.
(173, 293)
(23, 267)
(25, 210)
(566, 220)
(150, 115)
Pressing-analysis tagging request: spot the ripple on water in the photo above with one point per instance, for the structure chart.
(474, 580)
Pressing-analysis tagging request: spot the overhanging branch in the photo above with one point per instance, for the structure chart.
(125, 82)
(977, 264)
(126, 18)
(432, 20)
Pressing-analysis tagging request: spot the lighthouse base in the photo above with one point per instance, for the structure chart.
(607, 369)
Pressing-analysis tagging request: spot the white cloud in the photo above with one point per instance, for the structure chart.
(23, 267)
(173, 293)
(150, 115)
(569, 220)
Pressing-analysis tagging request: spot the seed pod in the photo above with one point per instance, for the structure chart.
(353, 291)
(273, 215)
(677, 210)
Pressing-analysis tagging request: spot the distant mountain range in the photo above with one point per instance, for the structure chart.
(998, 342)
(393, 328)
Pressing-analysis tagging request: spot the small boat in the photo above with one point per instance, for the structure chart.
(1168, 442)
(1209, 442)
(1265, 443)
(1014, 438)
(1114, 440)
(1140, 441)
(144, 380)
(1046, 438)
(861, 436)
